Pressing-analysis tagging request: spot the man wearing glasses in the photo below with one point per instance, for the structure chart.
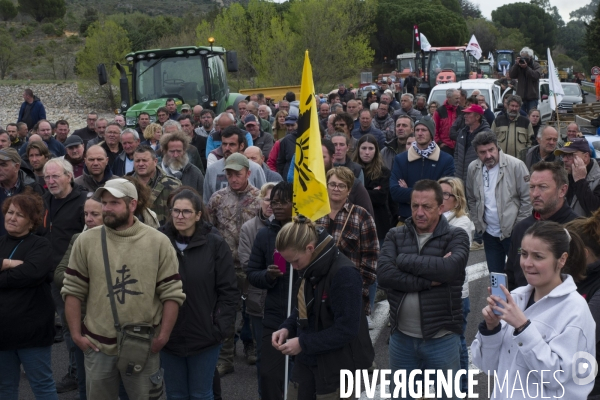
(498, 197)
(584, 176)
(89, 132)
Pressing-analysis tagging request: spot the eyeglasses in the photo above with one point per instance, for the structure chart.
(276, 204)
(447, 195)
(175, 212)
(335, 186)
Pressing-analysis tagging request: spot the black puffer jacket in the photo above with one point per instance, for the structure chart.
(464, 153)
(276, 304)
(287, 149)
(209, 283)
(66, 220)
(403, 269)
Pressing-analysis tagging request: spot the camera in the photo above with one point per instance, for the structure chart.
(522, 61)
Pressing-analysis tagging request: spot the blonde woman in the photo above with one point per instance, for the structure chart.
(279, 129)
(152, 134)
(457, 214)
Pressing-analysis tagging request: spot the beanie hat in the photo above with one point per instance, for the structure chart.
(428, 122)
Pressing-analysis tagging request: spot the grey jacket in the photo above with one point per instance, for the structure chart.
(413, 113)
(512, 194)
(264, 142)
(255, 302)
(464, 153)
(271, 176)
(190, 176)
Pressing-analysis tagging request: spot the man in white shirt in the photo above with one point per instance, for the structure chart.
(498, 197)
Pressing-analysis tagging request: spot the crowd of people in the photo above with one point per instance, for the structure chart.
(152, 250)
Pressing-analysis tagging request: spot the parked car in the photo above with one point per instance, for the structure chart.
(573, 95)
(487, 87)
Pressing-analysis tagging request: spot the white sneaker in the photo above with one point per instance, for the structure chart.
(370, 322)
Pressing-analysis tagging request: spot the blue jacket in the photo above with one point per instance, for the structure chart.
(358, 133)
(37, 113)
(55, 147)
(214, 141)
(411, 167)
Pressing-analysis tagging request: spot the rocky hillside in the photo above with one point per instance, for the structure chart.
(61, 100)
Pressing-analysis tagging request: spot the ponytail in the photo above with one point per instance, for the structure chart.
(296, 235)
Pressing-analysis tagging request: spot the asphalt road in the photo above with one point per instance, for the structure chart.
(242, 383)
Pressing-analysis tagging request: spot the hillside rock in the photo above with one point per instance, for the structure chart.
(61, 100)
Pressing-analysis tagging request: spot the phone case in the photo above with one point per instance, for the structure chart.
(279, 261)
(497, 279)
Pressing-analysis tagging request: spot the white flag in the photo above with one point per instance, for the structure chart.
(425, 46)
(556, 89)
(491, 58)
(474, 48)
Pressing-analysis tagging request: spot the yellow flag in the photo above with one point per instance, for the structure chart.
(310, 186)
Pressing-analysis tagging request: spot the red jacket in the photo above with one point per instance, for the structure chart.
(444, 117)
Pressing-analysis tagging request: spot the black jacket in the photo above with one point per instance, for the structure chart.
(26, 178)
(513, 263)
(336, 334)
(380, 199)
(276, 303)
(588, 288)
(86, 135)
(88, 182)
(403, 269)
(464, 153)
(59, 226)
(27, 311)
(287, 149)
(118, 167)
(207, 316)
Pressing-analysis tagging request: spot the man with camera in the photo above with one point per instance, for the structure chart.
(528, 72)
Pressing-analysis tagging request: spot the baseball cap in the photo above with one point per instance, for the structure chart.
(473, 108)
(10, 154)
(186, 107)
(291, 120)
(119, 188)
(250, 119)
(576, 144)
(236, 162)
(73, 140)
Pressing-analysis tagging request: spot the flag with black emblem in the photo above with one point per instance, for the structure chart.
(310, 186)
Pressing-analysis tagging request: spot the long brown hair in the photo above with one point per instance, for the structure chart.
(373, 169)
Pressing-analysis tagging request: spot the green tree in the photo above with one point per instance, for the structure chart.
(89, 17)
(452, 5)
(396, 18)
(585, 13)
(8, 56)
(470, 10)
(106, 43)
(8, 10)
(511, 39)
(572, 38)
(533, 22)
(142, 29)
(592, 39)
(42, 10)
(486, 33)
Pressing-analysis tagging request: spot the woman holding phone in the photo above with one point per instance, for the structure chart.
(540, 327)
(266, 269)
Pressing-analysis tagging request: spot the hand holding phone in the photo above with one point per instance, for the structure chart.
(497, 279)
(279, 261)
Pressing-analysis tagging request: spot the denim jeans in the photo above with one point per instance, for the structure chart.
(496, 251)
(464, 353)
(409, 353)
(80, 362)
(37, 366)
(190, 377)
(528, 105)
(372, 293)
(257, 328)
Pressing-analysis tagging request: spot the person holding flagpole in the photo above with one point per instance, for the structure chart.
(327, 330)
(528, 72)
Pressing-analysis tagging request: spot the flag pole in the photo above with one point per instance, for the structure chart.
(556, 111)
(287, 357)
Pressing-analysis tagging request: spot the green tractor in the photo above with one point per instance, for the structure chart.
(190, 75)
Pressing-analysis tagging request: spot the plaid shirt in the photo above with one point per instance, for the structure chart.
(358, 241)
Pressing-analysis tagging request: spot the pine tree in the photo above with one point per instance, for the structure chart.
(40, 10)
(592, 38)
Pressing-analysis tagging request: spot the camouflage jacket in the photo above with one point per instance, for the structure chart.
(161, 186)
(229, 210)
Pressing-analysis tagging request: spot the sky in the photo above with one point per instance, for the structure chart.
(564, 6)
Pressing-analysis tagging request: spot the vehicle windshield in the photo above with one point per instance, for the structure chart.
(406, 63)
(440, 95)
(170, 77)
(449, 60)
(485, 69)
(504, 57)
(571, 90)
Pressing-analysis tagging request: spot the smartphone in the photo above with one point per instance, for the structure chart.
(497, 279)
(279, 261)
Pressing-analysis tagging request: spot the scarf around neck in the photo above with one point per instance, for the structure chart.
(171, 172)
(424, 153)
